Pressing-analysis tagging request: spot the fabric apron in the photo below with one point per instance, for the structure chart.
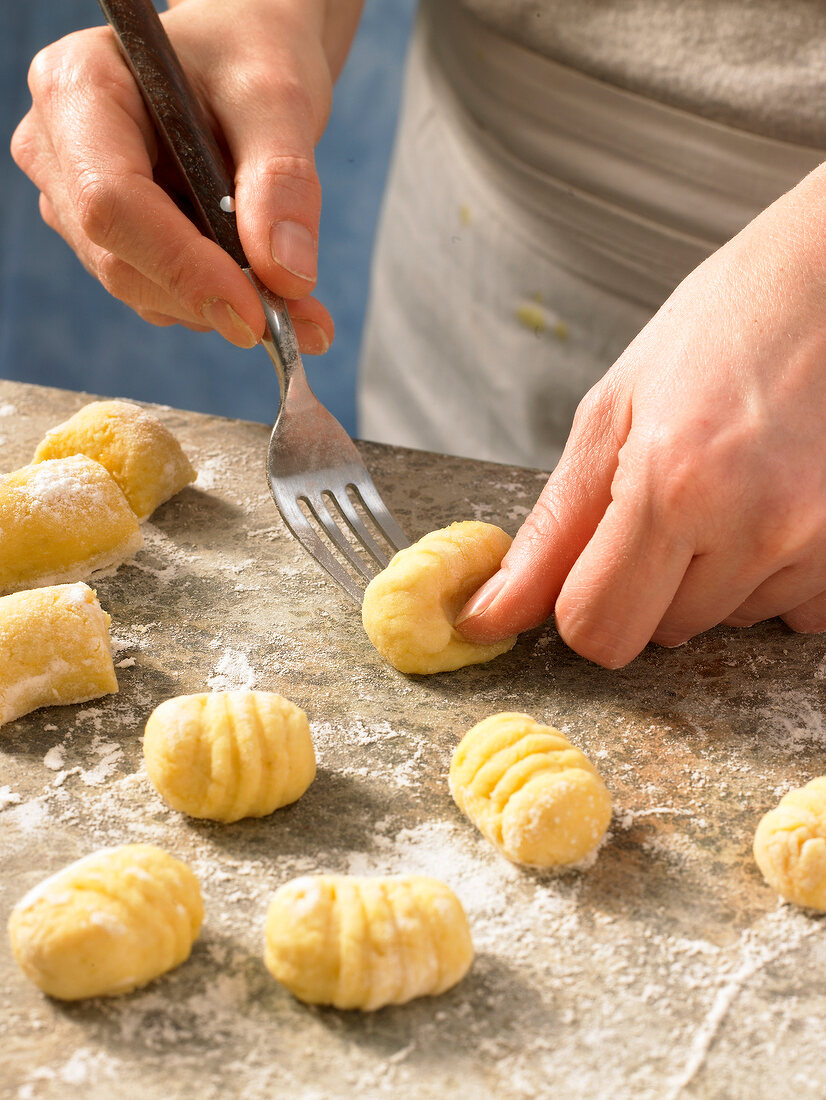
(535, 219)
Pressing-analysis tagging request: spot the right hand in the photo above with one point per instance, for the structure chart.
(88, 144)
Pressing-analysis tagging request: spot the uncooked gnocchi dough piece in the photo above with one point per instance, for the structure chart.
(410, 607)
(140, 452)
(54, 649)
(529, 791)
(108, 923)
(790, 845)
(61, 521)
(366, 942)
(229, 754)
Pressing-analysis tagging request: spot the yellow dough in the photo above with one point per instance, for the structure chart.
(107, 924)
(229, 754)
(790, 845)
(366, 942)
(54, 648)
(529, 791)
(61, 521)
(140, 452)
(410, 607)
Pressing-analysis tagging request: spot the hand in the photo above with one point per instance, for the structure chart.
(261, 68)
(692, 490)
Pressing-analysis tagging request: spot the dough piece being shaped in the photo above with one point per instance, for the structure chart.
(366, 942)
(529, 791)
(790, 846)
(409, 608)
(140, 452)
(108, 923)
(61, 521)
(54, 649)
(225, 755)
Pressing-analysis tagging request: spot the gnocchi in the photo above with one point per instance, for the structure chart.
(108, 923)
(790, 846)
(364, 943)
(229, 754)
(61, 521)
(140, 452)
(410, 607)
(538, 799)
(54, 649)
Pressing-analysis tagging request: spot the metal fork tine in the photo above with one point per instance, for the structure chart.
(360, 530)
(325, 520)
(302, 529)
(380, 514)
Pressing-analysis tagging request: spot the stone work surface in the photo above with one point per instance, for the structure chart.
(665, 970)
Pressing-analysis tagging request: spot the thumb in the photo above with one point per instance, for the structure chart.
(523, 593)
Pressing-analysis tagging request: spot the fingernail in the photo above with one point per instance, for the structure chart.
(222, 317)
(483, 599)
(312, 338)
(293, 247)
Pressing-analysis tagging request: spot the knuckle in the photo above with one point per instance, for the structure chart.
(114, 274)
(96, 203)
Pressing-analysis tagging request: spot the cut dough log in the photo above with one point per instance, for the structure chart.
(54, 649)
(366, 942)
(108, 923)
(229, 754)
(790, 846)
(140, 452)
(410, 607)
(61, 521)
(529, 791)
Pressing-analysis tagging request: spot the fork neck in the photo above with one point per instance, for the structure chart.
(280, 342)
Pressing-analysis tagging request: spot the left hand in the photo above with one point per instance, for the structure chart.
(692, 490)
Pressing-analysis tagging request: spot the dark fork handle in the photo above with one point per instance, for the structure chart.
(179, 119)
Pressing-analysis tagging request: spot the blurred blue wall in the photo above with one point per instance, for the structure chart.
(59, 327)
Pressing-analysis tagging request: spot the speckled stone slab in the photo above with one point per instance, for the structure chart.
(667, 970)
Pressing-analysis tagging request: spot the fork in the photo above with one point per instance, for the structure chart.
(317, 478)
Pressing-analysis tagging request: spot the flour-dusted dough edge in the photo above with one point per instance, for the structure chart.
(228, 755)
(108, 923)
(531, 792)
(43, 661)
(790, 846)
(76, 492)
(140, 452)
(364, 942)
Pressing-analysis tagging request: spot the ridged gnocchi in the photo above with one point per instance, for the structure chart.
(364, 943)
(790, 845)
(61, 521)
(226, 755)
(410, 607)
(140, 452)
(529, 791)
(108, 923)
(54, 649)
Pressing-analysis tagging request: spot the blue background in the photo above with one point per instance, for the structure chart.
(59, 327)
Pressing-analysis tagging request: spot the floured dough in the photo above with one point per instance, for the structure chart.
(107, 924)
(229, 754)
(790, 845)
(140, 452)
(61, 521)
(410, 607)
(529, 791)
(366, 942)
(54, 649)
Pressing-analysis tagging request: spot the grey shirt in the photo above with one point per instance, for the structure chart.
(755, 64)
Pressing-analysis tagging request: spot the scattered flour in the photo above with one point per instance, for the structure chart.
(232, 673)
